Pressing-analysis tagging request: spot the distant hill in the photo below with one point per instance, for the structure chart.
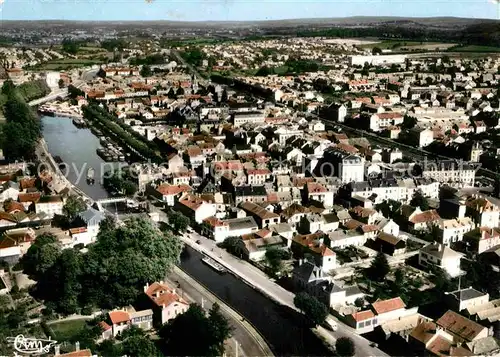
(451, 29)
(345, 21)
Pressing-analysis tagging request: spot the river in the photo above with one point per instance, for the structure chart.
(77, 148)
(283, 328)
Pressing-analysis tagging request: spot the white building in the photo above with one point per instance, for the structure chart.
(453, 230)
(167, 304)
(439, 255)
(457, 174)
(50, 205)
(254, 117)
(377, 60)
(92, 219)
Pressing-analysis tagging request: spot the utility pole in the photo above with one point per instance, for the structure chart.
(236, 348)
(202, 302)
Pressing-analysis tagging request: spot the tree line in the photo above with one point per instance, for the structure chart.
(22, 130)
(102, 118)
(111, 273)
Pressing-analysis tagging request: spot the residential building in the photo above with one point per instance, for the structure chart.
(92, 219)
(250, 193)
(119, 320)
(50, 205)
(441, 256)
(453, 230)
(262, 216)
(15, 243)
(466, 299)
(457, 174)
(167, 304)
(482, 239)
(196, 208)
(168, 193)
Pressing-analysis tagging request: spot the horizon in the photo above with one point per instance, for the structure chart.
(239, 10)
(264, 20)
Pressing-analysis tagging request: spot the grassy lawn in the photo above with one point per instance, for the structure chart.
(66, 330)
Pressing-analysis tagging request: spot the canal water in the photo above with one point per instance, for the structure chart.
(77, 149)
(284, 329)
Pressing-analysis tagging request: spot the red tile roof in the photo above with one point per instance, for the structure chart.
(363, 315)
(29, 197)
(81, 353)
(460, 325)
(383, 306)
(425, 217)
(168, 190)
(118, 316)
(162, 294)
(214, 222)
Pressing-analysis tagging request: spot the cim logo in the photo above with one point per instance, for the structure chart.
(31, 346)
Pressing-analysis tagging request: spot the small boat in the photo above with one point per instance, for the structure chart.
(213, 264)
(90, 176)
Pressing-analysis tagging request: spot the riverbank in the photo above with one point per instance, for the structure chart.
(77, 150)
(244, 334)
(43, 154)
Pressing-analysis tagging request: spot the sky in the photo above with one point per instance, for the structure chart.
(239, 10)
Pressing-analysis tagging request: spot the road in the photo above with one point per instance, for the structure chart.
(51, 96)
(87, 75)
(261, 282)
(250, 342)
(193, 70)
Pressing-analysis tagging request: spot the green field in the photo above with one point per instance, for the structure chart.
(66, 330)
(409, 46)
(474, 48)
(65, 63)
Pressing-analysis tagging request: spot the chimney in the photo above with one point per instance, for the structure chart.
(146, 287)
(57, 350)
(77, 346)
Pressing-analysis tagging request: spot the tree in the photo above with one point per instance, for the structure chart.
(146, 71)
(235, 246)
(171, 93)
(311, 307)
(61, 284)
(379, 268)
(264, 71)
(114, 270)
(210, 332)
(219, 327)
(419, 200)
(359, 302)
(180, 91)
(70, 46)
(73, 206)
(178, 221)
(345, 347)
(274, 258)
(223, 97)
(137, 344)
(41, 256)
(409, 122)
